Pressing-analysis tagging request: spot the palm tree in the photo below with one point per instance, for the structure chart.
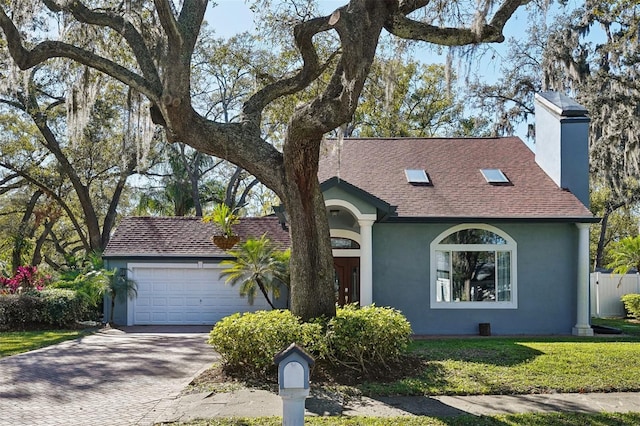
(626, 256)
(257, 265)
(117, 286)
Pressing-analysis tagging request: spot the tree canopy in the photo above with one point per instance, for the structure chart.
(158, 41)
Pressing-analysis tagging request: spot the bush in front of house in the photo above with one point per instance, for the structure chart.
(359, 339)
(632, 304)
(367, 338)
(49, 308)
(247, 342)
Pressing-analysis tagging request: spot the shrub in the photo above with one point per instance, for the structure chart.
(632, 304)
(249, 341)
(363, 339)
(46, 308)
(367, 338)
(25, 279)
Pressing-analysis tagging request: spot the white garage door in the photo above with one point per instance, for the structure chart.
(181, 296)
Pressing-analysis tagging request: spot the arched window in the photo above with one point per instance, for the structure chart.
(344, 243)
(473, 266)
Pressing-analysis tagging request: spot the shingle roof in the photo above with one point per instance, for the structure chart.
(184, 236)
(453, 165)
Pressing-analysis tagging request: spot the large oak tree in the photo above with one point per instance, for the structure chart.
(162, 41)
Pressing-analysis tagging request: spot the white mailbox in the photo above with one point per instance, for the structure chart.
(293, 382)
(293, 367)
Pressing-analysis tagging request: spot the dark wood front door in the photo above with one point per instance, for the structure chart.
(347, 279)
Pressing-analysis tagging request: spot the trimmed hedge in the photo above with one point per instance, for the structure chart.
(632, 304)
(361, 339)
(47, 308)
(249, 341)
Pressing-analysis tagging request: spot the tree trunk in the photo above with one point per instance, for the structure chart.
(23, 232)
(311, 263)
(264, 292)
(601, 239)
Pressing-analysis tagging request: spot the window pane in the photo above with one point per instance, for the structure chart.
(473, 276)
(443, 276)
(344, 243)
(504, 276)
(473, 236)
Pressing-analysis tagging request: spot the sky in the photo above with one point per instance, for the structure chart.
(231, 17)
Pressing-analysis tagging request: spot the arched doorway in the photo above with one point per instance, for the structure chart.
(352, 250)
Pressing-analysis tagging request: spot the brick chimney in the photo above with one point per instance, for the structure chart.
(562, 142)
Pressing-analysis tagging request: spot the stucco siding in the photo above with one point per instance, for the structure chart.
(546, 280)
(120, 311)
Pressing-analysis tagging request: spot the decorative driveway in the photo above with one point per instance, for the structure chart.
(112, 377)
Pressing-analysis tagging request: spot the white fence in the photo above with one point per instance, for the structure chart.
(606, 293)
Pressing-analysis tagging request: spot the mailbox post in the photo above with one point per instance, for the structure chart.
(293, 383)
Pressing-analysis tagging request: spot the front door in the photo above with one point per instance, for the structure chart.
(347, 279)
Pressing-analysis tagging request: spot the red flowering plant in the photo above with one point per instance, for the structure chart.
(26, 278)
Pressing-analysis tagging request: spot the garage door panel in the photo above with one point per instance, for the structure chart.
(186, 296)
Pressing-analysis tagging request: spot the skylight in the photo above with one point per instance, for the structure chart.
(417, 177)
(494, 176)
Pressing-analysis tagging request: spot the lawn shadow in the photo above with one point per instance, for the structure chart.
(499, 351)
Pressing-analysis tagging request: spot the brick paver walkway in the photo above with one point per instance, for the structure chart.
(108, 378)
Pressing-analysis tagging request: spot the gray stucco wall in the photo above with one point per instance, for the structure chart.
(546, 285)
(120, 311)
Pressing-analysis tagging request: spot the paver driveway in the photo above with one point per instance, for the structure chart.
(109, 378)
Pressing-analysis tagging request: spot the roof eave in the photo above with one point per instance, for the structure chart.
(147, 256)
(475, 219)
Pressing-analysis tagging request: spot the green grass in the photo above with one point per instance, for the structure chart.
(519, 366)
(15, 342)
(564, 419)
(630, 327)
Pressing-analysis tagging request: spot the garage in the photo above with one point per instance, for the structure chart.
(176, 267)
(185, 295)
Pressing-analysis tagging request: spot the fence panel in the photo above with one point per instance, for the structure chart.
(606, 293)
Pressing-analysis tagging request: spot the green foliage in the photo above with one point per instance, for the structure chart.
(249, 341)
(224, 217)
(367, 337)
(118, 287)
(632, 304)
(625, 255)
(257, 265)
(48, 308)
(358, 338)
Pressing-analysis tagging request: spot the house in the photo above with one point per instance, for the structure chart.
(460, 232)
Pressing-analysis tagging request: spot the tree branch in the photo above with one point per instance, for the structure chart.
(120, 25)
(45, 50)
(401, 26)
(168, 22)
(50, 192)
(311, 69)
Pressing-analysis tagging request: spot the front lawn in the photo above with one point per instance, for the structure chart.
(15, 342)
(552, 419)
(628, 326)
(495, 365)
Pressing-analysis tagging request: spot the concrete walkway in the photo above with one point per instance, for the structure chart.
(258, 403)
(113, 377)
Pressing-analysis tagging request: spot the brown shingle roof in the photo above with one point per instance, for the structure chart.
(184, 236)
(453, 165)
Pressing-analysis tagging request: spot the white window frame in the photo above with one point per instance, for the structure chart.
(510, 246)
